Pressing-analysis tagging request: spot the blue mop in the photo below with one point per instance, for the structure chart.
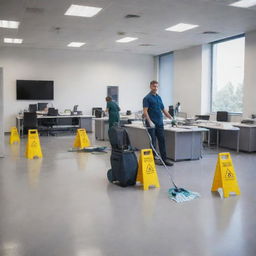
(177, 194)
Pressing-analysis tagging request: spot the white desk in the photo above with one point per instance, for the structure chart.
(84, 121)
(247, 138)
(221, 126)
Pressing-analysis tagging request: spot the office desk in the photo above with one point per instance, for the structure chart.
(101, 125)
(224, 128)
(247, 138)
(183, 143)
(74, 121)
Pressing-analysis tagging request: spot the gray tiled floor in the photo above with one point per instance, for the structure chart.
(63, 205)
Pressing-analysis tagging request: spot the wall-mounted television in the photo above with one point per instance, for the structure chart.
(34, 90)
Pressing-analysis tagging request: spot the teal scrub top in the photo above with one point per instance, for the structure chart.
(113, 110)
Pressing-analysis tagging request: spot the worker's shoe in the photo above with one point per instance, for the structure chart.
(168, 162)
(158, 162)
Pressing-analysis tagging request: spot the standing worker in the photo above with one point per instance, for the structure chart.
(153, 108)
(113, 111)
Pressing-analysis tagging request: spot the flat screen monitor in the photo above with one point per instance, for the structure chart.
(34, 90)
(41, 106)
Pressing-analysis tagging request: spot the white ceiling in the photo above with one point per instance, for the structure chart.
(38, 26)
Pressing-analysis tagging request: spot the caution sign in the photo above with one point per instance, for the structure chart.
(81, 140)
(33, 147)
(225, 176)
(14, 138)
(147, 174)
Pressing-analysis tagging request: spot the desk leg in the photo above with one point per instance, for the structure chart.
(209, 139)
(18, 125)
(238, 137)
(217, 140)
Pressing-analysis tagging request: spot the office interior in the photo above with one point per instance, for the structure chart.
(63, 204)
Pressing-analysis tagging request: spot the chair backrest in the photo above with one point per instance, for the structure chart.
(32, 107)
(222, 116)
(52, 112)
(30, 120)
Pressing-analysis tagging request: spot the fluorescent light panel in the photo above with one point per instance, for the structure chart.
(181, 27)
(9, 24)
(244, 3)
(126, 39)
(76, 44)
(13, 40)
(82, 11)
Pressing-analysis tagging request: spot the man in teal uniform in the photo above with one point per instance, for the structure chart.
(113, 112)
(153, 110)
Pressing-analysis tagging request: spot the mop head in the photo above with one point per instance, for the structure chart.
(89, 149)
(182, 195)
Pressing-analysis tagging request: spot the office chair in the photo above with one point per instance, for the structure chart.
(222, 116)
(52, 112)
(32, 107)
(48, 123)
(29, 121)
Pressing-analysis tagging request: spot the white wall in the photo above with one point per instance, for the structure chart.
(187, 79)
(1, 114)
(249, 99)
(80, 77)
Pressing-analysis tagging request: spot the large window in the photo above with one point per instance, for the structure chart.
(228, 75)
(166, 78)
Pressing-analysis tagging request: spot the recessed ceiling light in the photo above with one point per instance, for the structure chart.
(76, 44)
(244, 3)
(181, 27)
(13, 40)
(82, 11)
(126, 39)
(9, 24)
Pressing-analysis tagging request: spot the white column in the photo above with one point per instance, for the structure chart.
(1, 113)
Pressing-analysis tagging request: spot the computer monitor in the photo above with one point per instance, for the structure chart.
(171, 110)
(96, 109)
(32, 107)
(41, 106)
(75, 108)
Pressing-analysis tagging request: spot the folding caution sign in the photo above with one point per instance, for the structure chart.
(81, 140)
(33, 147)
(14, 138)
(147, 174)
(225, 176)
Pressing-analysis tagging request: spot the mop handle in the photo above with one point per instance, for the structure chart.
(151, 145)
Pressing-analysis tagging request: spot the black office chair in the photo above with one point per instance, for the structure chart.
(222, 116)
(29, 121)
(53, 112)
(32, 107)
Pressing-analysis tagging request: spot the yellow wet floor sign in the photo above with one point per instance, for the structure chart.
(225, 176)
(33, 147)
(81, 140)
(147, 174)
(14, 138)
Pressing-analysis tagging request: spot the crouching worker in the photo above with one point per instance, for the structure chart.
(113, 111)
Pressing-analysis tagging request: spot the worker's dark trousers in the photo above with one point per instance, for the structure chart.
(158, 133)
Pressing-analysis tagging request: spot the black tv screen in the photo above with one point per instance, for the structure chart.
(34, 90)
